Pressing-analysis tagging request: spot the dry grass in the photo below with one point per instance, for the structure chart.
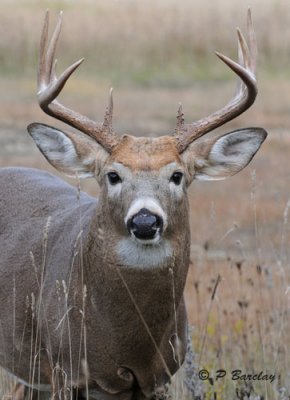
(152, 52)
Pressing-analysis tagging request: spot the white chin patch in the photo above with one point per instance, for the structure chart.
(144, 253)
(146, 242)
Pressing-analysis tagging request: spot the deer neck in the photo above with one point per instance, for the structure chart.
(112, 280)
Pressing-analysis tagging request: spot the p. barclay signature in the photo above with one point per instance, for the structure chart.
(238, 375)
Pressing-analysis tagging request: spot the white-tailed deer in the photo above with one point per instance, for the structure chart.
(91, 290)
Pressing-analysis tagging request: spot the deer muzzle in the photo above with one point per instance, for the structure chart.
(145, 225)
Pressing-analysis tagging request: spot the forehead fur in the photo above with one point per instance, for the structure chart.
(146, 153)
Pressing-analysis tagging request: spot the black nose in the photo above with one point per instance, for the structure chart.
(144, 224)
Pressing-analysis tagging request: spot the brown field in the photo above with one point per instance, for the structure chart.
(155, 54)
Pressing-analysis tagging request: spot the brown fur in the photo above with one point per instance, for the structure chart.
(146, 154)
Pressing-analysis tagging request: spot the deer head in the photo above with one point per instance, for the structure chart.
(139, 175)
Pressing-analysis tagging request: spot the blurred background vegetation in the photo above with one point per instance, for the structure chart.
(137, 42)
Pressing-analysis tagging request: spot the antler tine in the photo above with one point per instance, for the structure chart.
(52, 46)
(49, 87)
(108, 120)
(50, 92)
(42, 47)
(245, 97)
(247, 77)
(244, 51)
(180, 121)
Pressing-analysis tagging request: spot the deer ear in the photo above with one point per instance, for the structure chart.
(221, 157)
(68, 153)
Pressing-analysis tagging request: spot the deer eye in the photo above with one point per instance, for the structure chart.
(176, 178)
(114, 178)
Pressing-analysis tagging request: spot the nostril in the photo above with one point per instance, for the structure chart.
(159, 222)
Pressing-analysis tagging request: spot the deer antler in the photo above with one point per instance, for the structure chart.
(49, 87)
(245, 97)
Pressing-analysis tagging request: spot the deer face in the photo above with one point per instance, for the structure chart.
(145, 184)
(144, 180)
